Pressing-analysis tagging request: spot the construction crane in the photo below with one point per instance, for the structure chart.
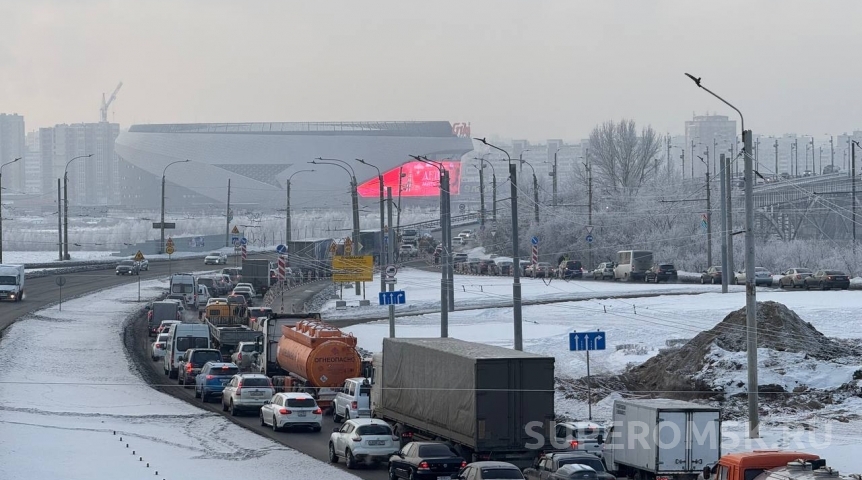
(106, 104)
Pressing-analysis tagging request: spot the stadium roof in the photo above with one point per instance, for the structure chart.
(397, 129)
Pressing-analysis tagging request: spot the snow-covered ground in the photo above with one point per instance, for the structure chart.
(636, 329)
(18, 257)
(72, 408)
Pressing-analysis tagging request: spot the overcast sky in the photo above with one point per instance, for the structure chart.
(522, 69)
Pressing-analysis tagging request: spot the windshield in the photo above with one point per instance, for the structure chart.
(127, 263)
(182, 288)
(834, 272)
(374, 430)
(8, 280)
(200, 358)
(427, 451)
(666, 266)
(502, 473)
(803, 270)
(185, 343)
(214, 254)
(163, 337)
(224, 371)
(306, 402)
(595, 464)
(255, 382)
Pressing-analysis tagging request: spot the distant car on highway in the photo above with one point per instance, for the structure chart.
(144, 265)
(159, 347)
(570, 269)
(540, 270)
(127, 267)
(663, 272)
(408, 251)
(215, 258)
(794, 277)
(711, 275)
(246, 391)
(490, 470)
(353, 401)
(604, 270)
(192, 361)
(362, 440)
(213, 377)
(826, 279)
(419, 460)
(291, 409)
(762, 276)
(243, 356)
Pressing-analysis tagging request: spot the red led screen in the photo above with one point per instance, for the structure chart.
(420, 180)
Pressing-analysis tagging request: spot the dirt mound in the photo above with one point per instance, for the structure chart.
(778, 329)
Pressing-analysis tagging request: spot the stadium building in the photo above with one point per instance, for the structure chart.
(259, 157)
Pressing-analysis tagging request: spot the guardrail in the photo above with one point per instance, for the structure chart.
(435, 224)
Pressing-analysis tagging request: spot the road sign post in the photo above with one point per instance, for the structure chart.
(584, 342)
(60, 281)
(589, 238)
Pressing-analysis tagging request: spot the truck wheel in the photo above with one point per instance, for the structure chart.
(333, 458)
(349, 459)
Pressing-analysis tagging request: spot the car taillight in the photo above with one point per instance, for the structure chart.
(463, 464)
(188, 367)
(239, 356)
(407, 435)
(423, 465)
(354, 405)
(829, 277)
(318, 411)
(239, 389)
(357, 439)
(160, 345)
(210, 377)
(574, 443)
(798, 276)
(285, 411)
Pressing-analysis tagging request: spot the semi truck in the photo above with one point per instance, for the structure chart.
(163, 310)
(12, 282)
(228, 325)
(490, 403)
(662, 438)
(257, 273)
(760, 464)
(301, 353)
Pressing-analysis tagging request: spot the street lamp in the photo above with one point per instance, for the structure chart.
(516, 261)
(750, 289)
(493, 190)
(354, 196)
(1, 205)
(481, 169)
(66, 206)
(382, 223)
(535, 190)
(162, 225)
(287, 206)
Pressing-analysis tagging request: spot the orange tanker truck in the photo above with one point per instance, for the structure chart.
(302, 353)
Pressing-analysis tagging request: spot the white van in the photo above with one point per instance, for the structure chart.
(183, 337)
(632, 265)
(203, 295)
(185, 284)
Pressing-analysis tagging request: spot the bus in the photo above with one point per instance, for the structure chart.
(632, 265)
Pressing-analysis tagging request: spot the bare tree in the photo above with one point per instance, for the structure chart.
(622, 159)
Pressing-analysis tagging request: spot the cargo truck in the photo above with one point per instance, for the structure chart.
(257, 273)
(489, 402)
(228, 325)
(662, 438)
(301, 353)
(12, 282)
(164, 310)
(763, 465)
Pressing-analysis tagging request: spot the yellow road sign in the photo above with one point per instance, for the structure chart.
(333, 248)
(348, 250)
(353, 269)
(139, 256)
(235, 230)
(170, 242)
(169, 249)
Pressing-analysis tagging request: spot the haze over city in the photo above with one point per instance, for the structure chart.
(531, 70)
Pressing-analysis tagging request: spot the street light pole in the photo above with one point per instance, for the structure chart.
(1, 205)
(162, 226)
(516, 261)
(381, 256)
(287, 222)
(535, 190)
(750, 289)
(708, 216)
(853, 189)
(494, 193)
(446, 224)
(554, 194)
(66, 206)
(481, 169)
(354, 197)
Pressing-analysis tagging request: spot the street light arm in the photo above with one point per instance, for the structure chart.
(352, 172)
(379, 174)
(9, 163)
(168, 165)
(509, 157)
(72, 160)
(490, 165)
(352, 177)
(299, 171)
(741, 118)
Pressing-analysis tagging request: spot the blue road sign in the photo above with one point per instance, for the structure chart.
(281, 249)
(534, 240)
(392, 298)
(234, 240)
(582, 341)
(589, 239)
(243, 241)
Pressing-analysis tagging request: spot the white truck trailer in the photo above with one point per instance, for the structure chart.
(12, 282)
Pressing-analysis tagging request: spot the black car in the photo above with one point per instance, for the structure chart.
(663, 272)
(570, 269)
(712, 275)
(554, 462)
(191, 363)
(826, 279)
(425, 460)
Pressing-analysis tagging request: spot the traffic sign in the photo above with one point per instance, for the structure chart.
(169, 249)
(333, 248)
(168, 225)
(235, 230)
(390, 281)
(534, 240)
(139, 256)
(170, 242)
(704, 222)
(234, 240)
(589, 239)
(462, 207)
(243, 241)
(353, 269)
(583, 341)
(60, 281)
(589, 229)
(391, 270)
(397, 297)
(281, 249)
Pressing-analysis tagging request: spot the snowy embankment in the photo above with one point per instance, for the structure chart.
(636, 330)
(72, 407)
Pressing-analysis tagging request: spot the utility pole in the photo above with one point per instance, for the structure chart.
(391, 252)
(714, 153)
(853, 190)
(756, 154)
(796, 155)
(668, 156)
(59, 221)
(516, 260)
(398, 219)
(287, 215)
(832, 153)
(356, 243)
(750, 288)
(589, 168)
(482, 196)
(726, 270)
(554, 189)
(450, 281)
(494, 195)
(708, 217)
(536, 197)
(776, 159)
(227, 216)
(65, 216)
(692, 159)
(682, 157)
(728, 208)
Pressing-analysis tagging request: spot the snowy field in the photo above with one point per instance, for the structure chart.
(18, 257)
(70, 405)
(640, 326)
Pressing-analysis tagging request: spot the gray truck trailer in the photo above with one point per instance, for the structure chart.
(484, 400)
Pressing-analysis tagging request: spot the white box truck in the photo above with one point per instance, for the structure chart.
(12, 282)
(662, 439)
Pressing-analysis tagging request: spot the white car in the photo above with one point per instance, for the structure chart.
(291, 409)
(353, 401)
(408, 250)
(246, 391)
(165, 327)
(244, 355)
(362, 440)
(250, 287)
(144, 265)
(215, 258)
(159, 346)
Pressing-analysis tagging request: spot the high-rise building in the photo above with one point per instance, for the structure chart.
(92, 181)
(709, 136)
(12, 147)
